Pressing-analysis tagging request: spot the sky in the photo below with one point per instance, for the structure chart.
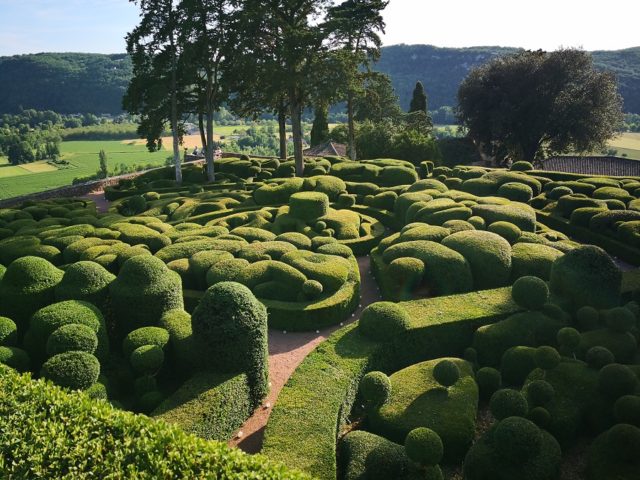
(99, 26)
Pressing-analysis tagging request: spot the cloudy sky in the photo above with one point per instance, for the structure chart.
(29, 26)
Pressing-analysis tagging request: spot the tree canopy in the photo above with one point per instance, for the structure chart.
(534, 103)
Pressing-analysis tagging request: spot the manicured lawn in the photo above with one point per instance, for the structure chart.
(83, 159)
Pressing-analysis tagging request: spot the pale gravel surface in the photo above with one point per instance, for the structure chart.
(286, 352)
(102, 204)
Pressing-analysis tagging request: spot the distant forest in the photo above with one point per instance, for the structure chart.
(93, 83)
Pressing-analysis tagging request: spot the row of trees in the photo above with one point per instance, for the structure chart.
(279, 56)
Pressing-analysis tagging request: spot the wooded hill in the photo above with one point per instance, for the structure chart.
(94, 83)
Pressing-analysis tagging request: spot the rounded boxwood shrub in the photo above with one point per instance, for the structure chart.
(312, 289)
(540, 393)
(624, 442)
(308, 206)
(532, 259)
(620, 319)
(540, 416)
(568, 339)
(424, 446)
(15, 358)
(558, 192)
(87, 281)
(144, 384)
(382, 321)
(587, 276)
(530, 292)
(597, 357)
(150, 401)
(70, 337)
(517, 363)
(521, 166)
(97, 391)
(588, 318)
(27, 285)
(8, 332)
(506, 230)
(508, 403)
(144, 289)
(518, 192)
(446, 373)
(517, 438)
(230, 327)
(406, 274)
(489, 381)
(147, 359)
(145, 336)
(547, 358)
(74, 370)
(375, 389)
(627, 410)
(616, 380)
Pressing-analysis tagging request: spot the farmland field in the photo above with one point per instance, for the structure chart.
(83, 160)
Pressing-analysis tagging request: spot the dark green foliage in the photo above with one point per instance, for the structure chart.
(231, 327)
(15, 358)
(144, 289)
(540, 416)
(406, 273)
(488, 380)
(588, 318)
(530, 292)
(312, 289)
(613, 454)
(375, 389)
(74, 370)
(70, 337)
(424, 446)
(625, 442)
(517, 363)
(620, 319)
(623, 346)
(8, 332)
(597, 357)
(446, 374)
(149, 401)
(547, 358)
(539, 393)
(364, 455)
(557, 192)
(508, 403)
(147, 359)
(627, 410)
(145, 336)
(27, 285)
(521, 166)
(587, 276)
(383, 320)
(517, 438)
(418, 100)
(520, 215)
(532, 259)
(568, 339)
(616, 380)
(308, 206)
(518, 192)
(119, 441)
(144, 384)
(86, 281)
(506, 230)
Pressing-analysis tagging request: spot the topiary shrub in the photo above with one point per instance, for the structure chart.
(488, 380)
(86, 281)
(424, 446)
(558, 192)
(15, 358)
(8, 332)
(308, 206)
(312, 289)
(530, 292)
(616, 380)
(72, 337)
(144, 289)
(508, 403)
(587, 276)
(145, 336)
(569, 340)
(532, 259)
(74, 370)
(521, 166)
(375, 389)
(539, 393)
(540, 416)
(510, 232)
(547, 358)
(588, 318)
(627, 410)
(147, 359)
(27, 285)
(620, 319)
(517, 363)
(406, 274)
(446, 373)
(230, 327)
(597, 357)
(150, 401)
(517, 438)
(382, 321)
(518, 192)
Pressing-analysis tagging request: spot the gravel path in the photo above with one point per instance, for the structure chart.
(286, 352)
(97, 196)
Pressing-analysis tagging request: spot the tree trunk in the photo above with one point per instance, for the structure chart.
(209, 151)
(282, 132)
(174, 116)
(296, 126)
(351, 141)
(203, 139)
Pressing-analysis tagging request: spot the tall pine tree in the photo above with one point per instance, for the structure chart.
(320, 128)
(419, 99)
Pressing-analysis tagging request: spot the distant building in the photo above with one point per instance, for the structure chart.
(606, 165)
(326, 149)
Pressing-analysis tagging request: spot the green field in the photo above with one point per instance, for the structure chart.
(83, 158)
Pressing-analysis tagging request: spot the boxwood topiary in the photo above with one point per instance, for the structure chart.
(569, 340)
(382, 321)
(488, 380)
(8, 332)
(620, 319)
(521, 166)
(510, 232)
(624, 442)
(517, 438)
(539, 393)
(70, 337)
(375, 389)
(627, 410)
(27, 285)
(144, 336)
(230, 325)
(518, 192)
(540, 416)
(507, 402)
(424, 446)
(87, 281)
(74, 370)
(150, 401)
(517, 363)
(616, 380)
(15, 358)
(147, 359)
(598, 357)
(547, 358)
(530, 292)
(446, 373)
(588, 318)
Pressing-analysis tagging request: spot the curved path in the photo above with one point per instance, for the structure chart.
(286, 352)
(102, 204)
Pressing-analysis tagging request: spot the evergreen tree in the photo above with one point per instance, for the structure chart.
(419, 99)
(102, 172)
(320, 128)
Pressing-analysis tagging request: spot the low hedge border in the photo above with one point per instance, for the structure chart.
(101, 440)
(210, 405)
(611, 245)
(316, 401)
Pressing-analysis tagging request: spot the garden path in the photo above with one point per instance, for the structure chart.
(286, 352)
(102, 204)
